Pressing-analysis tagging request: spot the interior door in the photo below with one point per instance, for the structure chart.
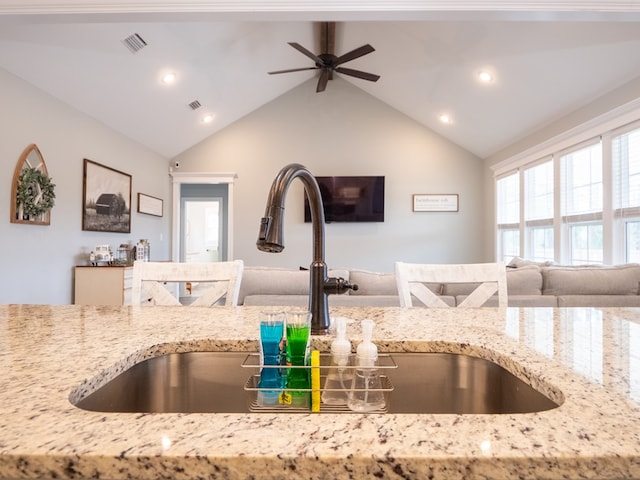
(203, 229)
(203, 222)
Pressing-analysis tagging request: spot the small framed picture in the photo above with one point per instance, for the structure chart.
(435, 202)
(149, 205)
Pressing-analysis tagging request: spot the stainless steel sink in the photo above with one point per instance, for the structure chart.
(213, 382)
(452, 383)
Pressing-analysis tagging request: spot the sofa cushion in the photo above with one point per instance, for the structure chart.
(591, 280)
(373, 283)
(459, 288)
(278, 281)
(525, 280)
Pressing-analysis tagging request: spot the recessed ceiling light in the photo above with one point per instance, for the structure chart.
(208, 118)
(168, 78)
(485, 76)
(445, 118)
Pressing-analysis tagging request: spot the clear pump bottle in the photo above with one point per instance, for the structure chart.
(340, 376)
(366, 393)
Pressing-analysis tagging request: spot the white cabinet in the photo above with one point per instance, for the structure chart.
(107, 285)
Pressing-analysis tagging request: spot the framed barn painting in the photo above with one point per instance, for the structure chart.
(106, 199)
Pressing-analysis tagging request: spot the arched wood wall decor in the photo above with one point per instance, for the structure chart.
(32, 192)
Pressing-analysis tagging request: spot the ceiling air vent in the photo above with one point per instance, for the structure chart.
(134, 43)
(194, 105)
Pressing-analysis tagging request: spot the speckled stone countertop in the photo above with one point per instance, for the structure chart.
(589, 359)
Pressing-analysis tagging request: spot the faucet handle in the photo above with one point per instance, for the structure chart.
(338, 285)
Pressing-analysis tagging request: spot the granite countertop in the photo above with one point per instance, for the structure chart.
(588, 358)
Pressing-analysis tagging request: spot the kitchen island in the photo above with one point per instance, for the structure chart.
(587, 360)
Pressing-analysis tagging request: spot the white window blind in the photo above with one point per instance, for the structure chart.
(582, 186)
(538, 184)
(625, 155)
(508, 216)
(625, 152)
(582, 181)
(539, 188)
(508, 199)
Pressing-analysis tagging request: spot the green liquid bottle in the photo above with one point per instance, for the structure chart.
(297, 353)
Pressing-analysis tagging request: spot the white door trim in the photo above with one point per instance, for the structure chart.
(180, 178)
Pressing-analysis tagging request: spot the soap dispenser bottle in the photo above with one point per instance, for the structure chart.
(366, 393)
(339, 378)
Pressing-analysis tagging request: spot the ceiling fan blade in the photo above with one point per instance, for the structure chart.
(353, 54)
(322, 81)
(293, 70)
(357, 73)
(306, 52)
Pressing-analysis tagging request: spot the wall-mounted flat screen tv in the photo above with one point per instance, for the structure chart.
(350, 199)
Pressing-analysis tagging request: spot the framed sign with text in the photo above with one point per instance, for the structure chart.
(149, 205)
(435, 202)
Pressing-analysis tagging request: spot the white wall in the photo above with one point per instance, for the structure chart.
(36, 262)
(345, 131)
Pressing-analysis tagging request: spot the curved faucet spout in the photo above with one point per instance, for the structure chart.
(271, 239)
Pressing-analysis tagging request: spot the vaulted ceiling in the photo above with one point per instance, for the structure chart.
(543, 69)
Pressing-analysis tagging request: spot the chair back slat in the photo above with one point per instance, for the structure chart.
(412, 277)
(219, 280)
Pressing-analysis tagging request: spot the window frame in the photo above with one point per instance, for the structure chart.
(606, 127)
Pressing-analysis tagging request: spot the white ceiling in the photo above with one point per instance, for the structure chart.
(544, 70)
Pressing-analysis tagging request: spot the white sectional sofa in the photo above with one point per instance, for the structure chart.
(283, 287)
(573, 286)
(529, 284)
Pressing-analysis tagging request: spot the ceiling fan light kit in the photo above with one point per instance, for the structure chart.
(327, 62)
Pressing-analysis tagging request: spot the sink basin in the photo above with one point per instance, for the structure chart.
(213, 382)
(453, 383)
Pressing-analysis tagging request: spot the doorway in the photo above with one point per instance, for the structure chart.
(203, 187)
(202, 224)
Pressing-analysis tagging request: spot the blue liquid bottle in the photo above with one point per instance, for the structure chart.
(271, 334)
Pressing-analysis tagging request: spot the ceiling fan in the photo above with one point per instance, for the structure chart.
(327, 62)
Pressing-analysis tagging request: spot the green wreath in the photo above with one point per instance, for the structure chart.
(35, 192)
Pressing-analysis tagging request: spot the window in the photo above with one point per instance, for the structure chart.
(510, 243)
(538, 183)
(539, 188)
(581, 185)
(626, 160)
(582, 180)
(625, 153)
(577, 204)
(509, 199)
(508, 216)
(586, 243)
(541, 244)
(632, 241)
